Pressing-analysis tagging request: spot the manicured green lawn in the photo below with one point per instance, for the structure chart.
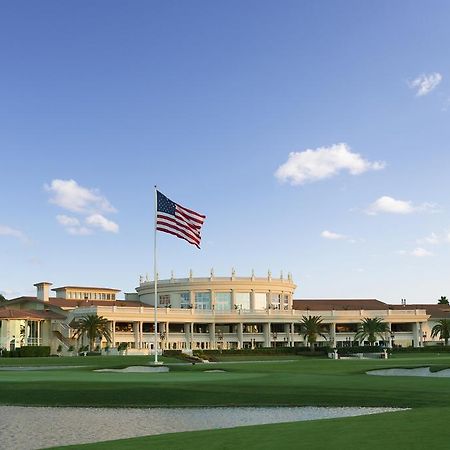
(305, 381)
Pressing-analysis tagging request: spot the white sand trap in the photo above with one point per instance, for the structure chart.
(29, 428)
(418, 372)
(136, 369)
(215, 371)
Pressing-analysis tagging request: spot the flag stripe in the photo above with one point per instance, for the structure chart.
(178, 234)
(179, 222)
(169, 225)
(192, 220)
(192, 213)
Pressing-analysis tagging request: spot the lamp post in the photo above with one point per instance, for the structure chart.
(162, 335)
(392, 339)
(220, 339)
(424, 336)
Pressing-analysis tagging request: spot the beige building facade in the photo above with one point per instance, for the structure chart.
(211, 312)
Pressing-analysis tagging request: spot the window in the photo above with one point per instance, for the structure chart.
(242, 300)
(260, 300)
(185, 300)
(202, 300)
(164, 300)
(285, 301)
(223, 301)
(275, 301)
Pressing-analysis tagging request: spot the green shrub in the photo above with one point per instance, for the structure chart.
(32, 351)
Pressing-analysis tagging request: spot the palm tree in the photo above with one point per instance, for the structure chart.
(442, 328)
(443, 301)
(94, 327)
(370, 329)
(311, 327)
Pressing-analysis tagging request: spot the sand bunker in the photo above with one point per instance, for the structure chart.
(136, 369)
(417, 372)
(48, 427)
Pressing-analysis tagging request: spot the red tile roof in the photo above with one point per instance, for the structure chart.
(72, 303)
(338, 304)
(27, 314)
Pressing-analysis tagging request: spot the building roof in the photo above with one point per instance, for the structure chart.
(434, 310)
(27, 314)
(339, 304)
(74, 303)
(86, 287)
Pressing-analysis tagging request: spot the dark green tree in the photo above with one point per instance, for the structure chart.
(93, 327)
(443, 301)
(312, 327)
(371, 329)
(442, 328)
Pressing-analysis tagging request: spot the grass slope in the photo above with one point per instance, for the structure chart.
(319, 382)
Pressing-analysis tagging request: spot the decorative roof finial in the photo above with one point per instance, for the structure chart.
(146, 277)
(141, 279)
(190, 274)
(269, 275)
(233, 273)
(253, 274)
(212, 272)
(171, 275)
(281, 275)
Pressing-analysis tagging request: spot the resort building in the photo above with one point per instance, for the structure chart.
(207, 313)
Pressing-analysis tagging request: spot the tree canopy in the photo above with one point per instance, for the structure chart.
(312, 327)
(371, 329)
(442, 328)
(443, 300)
(94, 327)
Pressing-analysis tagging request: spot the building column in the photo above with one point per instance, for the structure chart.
(233, 300)
(212, 336)
(136, 332)
(333, 334)
(416, 327)
(212, 295)
(166, 343)
(191, 328)
(292, 334)
(266, 330)
(287, 328)
(240, 333)
(252, 300)
(113, 333)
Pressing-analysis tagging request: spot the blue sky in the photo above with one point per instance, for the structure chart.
(100, 100)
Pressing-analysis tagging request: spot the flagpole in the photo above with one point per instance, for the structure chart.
(155, 278)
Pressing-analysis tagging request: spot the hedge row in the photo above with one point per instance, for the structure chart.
(27, 351)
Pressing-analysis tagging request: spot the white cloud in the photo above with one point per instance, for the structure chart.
(67, 221)
(420, 252)
(432, 239)
(324, 162)
(12, 232)
(388, 204)
(88, 203)
(99, 221)
(68, 194)
(391, 205)
(333, 236)
(425, 83)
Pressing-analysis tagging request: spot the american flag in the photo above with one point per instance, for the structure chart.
(175, 219)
